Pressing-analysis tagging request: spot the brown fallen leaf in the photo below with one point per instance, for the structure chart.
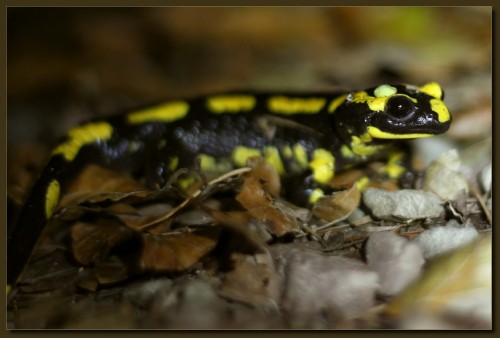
(177, 251)
(267, 173)
(338, 206)
(260, 206)
(91, 242)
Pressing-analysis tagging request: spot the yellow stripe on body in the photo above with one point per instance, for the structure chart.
(295, 105)
(166, 112)
(52, 197)
(336, 103)
(82, 135)
(230, 103)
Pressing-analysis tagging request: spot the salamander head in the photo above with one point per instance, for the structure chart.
(395, 112)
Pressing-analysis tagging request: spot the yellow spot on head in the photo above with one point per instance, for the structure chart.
(52, 198)
(295, 105)
(374, 103)
(241, 154)
(432, 89)
(82, 135)
(440, 109)
(336, 103)
(384, 91)
(167, 112)
(272, 155)
(377, 133)
(322, 165)
(230, 103)
(315, 195)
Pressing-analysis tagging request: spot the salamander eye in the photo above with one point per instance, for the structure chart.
(399, 107)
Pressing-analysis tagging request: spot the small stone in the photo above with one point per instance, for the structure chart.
(397, 261)
(443, 177)
(324, 289)
(402, 205)
(439, 240)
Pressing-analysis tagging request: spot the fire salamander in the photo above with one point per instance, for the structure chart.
(316, 134)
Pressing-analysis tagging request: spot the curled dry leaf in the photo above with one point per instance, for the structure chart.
(260, 206)
(177, 251)
(338, 206)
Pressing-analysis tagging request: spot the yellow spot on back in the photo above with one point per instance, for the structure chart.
(300, 154)
(384, 91)
(52, 198)
(377, 133)
(440, 109)
(272, 155)
(432, 89)
(295, 105)
(166, 112)
(82, 135)
(336, 103)
(322, 165)
(287, 151)
(241, 154)
(211, 165)
(230, 103)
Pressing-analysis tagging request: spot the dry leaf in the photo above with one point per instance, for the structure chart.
(267, 173)
(91, 242)
(259, 205)
(337, 206)
(177, 251)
